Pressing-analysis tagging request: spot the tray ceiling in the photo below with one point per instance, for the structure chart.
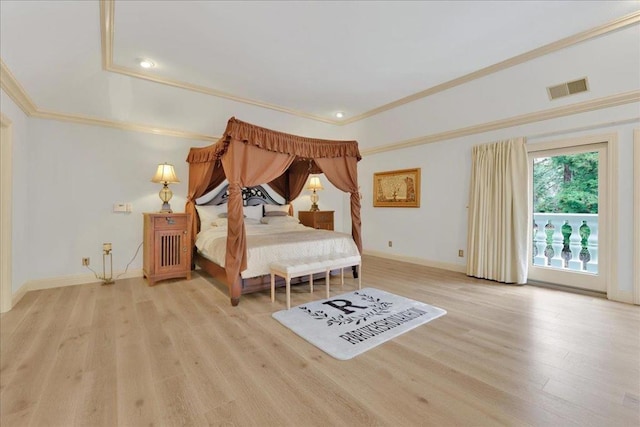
(307, 58)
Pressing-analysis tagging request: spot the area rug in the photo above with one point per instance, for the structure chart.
(347, 325)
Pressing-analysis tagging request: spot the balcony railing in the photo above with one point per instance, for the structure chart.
(566, 241)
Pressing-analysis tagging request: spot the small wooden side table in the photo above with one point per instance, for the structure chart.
(167, 246)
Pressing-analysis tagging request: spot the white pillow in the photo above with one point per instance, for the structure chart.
(276, 208)
(254, 212)
(220, 222)
(279, 220)
(208, 214)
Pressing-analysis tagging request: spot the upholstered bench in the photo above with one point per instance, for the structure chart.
(309, 266)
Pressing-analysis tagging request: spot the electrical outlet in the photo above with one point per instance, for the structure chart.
(460, 253)
(85, 261)
(390, 243)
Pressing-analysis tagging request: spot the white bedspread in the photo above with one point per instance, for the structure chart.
(267, 243)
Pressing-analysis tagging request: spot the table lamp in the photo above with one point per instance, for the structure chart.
(314, 185)
(165, 175)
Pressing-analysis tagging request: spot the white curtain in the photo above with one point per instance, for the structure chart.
(498, 234)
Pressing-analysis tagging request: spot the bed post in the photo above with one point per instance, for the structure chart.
(235, 290)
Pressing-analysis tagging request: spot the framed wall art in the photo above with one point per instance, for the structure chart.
(397, 189)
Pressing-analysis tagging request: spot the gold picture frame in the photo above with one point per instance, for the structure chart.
(397, 189)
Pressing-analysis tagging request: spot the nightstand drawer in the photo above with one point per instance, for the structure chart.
(170, 222)
(324, 217)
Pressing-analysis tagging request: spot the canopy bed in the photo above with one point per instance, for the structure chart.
(246, 156)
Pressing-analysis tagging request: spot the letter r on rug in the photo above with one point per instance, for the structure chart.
(342, 308)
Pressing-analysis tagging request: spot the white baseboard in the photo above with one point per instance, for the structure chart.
(17, 296)
(58, 282)
(621, 296)
(420, 261)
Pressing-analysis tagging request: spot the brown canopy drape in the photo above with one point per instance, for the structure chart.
(249, 155)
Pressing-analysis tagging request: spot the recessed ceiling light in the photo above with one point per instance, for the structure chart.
(146, 63)
(339, 114)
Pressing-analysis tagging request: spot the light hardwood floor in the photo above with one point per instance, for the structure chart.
(179, 354)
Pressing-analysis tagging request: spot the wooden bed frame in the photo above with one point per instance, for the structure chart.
(251, 196)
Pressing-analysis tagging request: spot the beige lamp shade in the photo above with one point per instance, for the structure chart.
(165, 175)
(314, 183)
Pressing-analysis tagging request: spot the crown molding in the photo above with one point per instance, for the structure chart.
(87, 120)
(114, 68)
(619, 23)
(107, 11)
(552, 113)
(16, 92)
(4, 121)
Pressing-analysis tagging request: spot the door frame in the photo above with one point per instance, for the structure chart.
(6, 173)
(610, 211)
(636, 215)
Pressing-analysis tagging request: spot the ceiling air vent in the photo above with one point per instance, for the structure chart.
(568, 88)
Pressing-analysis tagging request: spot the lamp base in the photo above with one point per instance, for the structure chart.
(166, 208)
(314, 207)
(107, 280)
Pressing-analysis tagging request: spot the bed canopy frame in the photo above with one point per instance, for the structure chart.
(248, 155)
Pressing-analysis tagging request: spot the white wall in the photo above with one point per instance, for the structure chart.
(433, 233)
(20, 224)
(76, 174)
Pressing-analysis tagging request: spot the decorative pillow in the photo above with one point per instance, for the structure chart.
(254, 212)
(279, 220)
(208, 214)
(276, 213)
(276, 208)
(225, 215)
(220, 222)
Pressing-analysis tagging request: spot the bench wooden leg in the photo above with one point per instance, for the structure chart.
(328, 280)
(360, 276)
(342, 277)
(273, 288)
(288, 292)
(311, 283)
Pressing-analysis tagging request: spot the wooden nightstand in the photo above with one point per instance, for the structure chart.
(167, 251)
(317, 219)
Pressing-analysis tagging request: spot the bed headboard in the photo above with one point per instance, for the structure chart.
(251, 196)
